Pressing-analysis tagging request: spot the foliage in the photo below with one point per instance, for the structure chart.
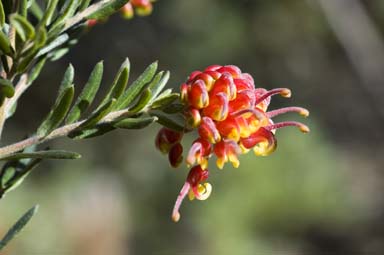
(32, 34)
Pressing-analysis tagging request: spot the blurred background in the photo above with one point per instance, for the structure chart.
(320, 193)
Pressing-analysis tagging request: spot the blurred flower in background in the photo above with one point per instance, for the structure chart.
(319, 193)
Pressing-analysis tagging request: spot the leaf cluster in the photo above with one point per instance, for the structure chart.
(33, 32)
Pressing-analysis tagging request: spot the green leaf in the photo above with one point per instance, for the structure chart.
(2, 15)
(5, 45)
(65, 14)
(41, 38)
(23, 169)
(23, 7)
(26, 61)
(98, 130)
(7, 174)
(165, 101)
(98, 115)
(136, 87)
(165, 93)
(84, 4)
(49, 12)
(36, 10)
(107, 9)
(54, 44)
(135, 123)
(67, 78)
(173, 108)
(18, 226)
(168, 122)
(120, 82)
(142, 102)
(23, 28)
(34, 73)
(57, 54)
(57, 113)
(87, 95)
(6, 88)
(49, 154)
(157, 87)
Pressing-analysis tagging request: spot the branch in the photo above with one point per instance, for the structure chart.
(57, 133)
(112, 5)
(21, 86)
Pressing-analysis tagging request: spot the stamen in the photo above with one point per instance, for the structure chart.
(194, 153)
(284, 92)
(202, 191)
(208, 130)
(302, 111)
(179, 200)
(303, 128)
(258, 114)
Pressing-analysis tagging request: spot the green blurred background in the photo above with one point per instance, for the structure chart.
(320, 193)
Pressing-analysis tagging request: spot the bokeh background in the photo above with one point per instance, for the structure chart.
(320, 193)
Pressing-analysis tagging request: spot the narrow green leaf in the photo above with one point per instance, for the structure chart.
(5, 45)
(20, 175)
(49, 154)
(168, 122)
(7, 174)
(107, 9)
(156, 79)
(142, 102)
(49, 12)
(23, 28)
(41, 38)
(26, 61)
(87, 95)
(36, 10)
(164, 93)
(2, 15)
(61, 106)
(67, 78)
(57, 54)
(6, 88)
(98, 115)
(58, 112)
(165, 101)
(173, 108)
(99, 130)
(84, 4)
(65, 14)
(120, 82)
(34, 73)
(23, 7)
(157, 87)
(136, 87)
(7, 6)
(135, 123)
(54, 44)
(18, 226)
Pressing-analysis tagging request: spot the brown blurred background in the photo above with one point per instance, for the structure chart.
(320, 193)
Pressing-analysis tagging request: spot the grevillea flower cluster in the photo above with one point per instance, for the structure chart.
(139, 7)
(231, 117)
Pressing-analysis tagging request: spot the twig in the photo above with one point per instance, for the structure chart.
(59, 132)
(78, 17)
(9, 103)
(20, 88)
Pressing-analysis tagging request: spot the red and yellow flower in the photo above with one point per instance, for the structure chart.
(231, 117)
(139, 7)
